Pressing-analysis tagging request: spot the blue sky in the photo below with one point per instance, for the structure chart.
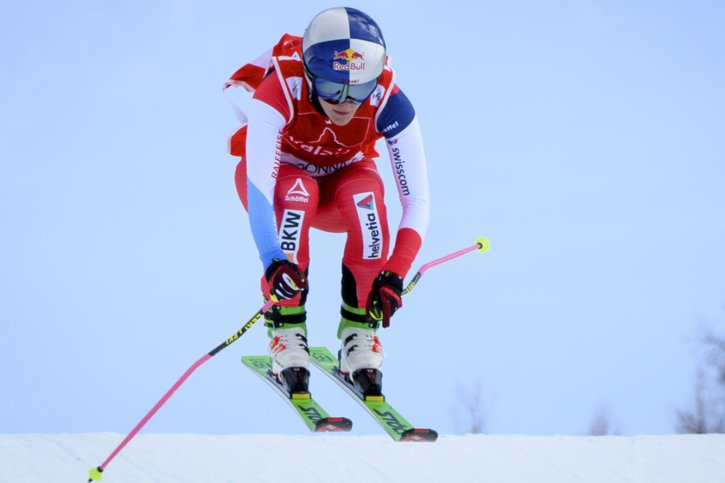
(583, 138)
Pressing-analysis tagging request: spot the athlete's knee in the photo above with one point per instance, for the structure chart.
(294, 187)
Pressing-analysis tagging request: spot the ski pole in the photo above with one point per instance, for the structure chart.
(481, 245)
(97, 473)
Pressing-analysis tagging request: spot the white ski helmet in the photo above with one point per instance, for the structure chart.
(343, 52)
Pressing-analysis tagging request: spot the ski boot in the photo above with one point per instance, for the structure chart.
(361, 354)
(288, 349)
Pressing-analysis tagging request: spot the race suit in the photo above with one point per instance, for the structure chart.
(299, 170)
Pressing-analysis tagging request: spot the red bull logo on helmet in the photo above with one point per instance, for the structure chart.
(348, 59)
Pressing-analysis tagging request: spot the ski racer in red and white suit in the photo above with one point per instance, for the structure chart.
(302, 168)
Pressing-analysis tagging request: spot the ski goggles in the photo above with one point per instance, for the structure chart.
(339, 92)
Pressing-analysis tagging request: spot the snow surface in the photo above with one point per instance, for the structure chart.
(179, 458)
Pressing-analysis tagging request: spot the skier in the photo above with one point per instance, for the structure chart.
(308, 154)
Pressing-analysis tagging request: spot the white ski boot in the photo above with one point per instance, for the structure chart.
(361, 355)
(290, 358)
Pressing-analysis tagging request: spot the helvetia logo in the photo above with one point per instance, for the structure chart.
(368, 217)
(367, 202)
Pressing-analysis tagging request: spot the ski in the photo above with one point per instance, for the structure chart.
(394, 424)
(313, 415)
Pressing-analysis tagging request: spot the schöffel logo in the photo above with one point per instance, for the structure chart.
(367, 214)
(290, 231)
(298, 192)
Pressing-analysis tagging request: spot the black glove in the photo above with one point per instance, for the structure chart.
(385, 297)
(285, 279)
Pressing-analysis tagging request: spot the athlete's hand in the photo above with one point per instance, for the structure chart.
(385, 297)
(285, 279)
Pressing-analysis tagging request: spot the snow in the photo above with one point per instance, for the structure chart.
(192, 458)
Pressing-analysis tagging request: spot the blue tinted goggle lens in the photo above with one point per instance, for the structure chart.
(337, 92)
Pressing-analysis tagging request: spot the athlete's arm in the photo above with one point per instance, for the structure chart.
(265, 123)
(399, 124)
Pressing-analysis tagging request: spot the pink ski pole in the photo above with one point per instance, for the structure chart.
(95, 474)
(481, 245)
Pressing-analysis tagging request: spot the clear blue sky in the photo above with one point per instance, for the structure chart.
(585, 139)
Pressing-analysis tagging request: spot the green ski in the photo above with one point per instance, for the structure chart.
(306, 407)
(394, 424)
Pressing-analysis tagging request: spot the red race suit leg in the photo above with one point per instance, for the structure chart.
(349, 201)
